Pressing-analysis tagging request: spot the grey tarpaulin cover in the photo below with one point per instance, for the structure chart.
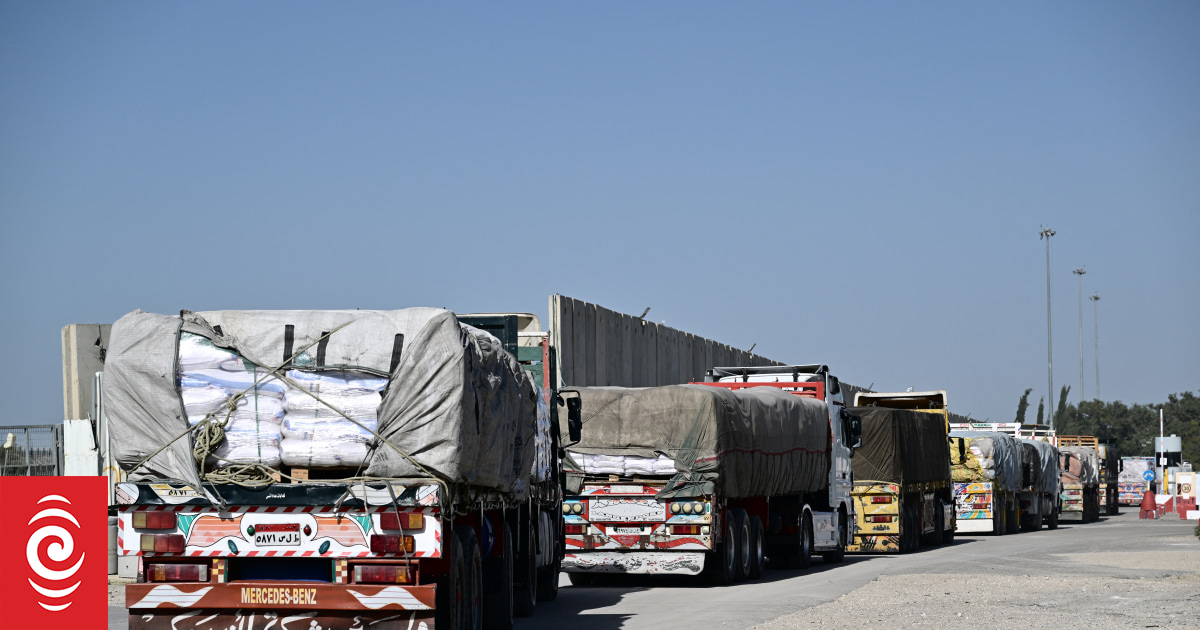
(999, 454)
(456, 402)
(1080, 464)
(901, 446)
(753, 442)
(1041, 466)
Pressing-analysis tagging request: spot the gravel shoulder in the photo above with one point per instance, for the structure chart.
(1155, 586)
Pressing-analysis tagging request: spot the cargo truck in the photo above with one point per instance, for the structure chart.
(986, 468)
(1037, 499)
(704, 478)
(1110, 465)
(444, 510)
(1137, 473)
(1080, 499)
(903, 493)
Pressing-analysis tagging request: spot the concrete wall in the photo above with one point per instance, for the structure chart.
(83, 347)
(598, 346)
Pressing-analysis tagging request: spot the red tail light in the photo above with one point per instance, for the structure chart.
(685, 529)
(177, 572)
(381, 574)
(392, 520)
(880, 519)
(573, 529)
(881, 499)
(162, 543)
(154, 520)
(390, 543)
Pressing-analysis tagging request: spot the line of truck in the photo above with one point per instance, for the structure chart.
(479, 477)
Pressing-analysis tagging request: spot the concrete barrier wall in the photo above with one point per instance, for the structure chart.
(598, 346)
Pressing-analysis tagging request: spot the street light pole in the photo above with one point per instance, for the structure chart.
(1096, 318)
(1079, 272)
(1046, 233)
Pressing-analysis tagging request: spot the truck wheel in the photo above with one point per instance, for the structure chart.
(757, 559)
(939, 525)
(470, 611)
(524, 567)
(498, 587)
(999, 518)
(839, 554)
(741, 528)
(1014, 517)
(581, 579)
(547, 581)
(452, 588)
(914, 524)
(804, 557)
(948, 534)
(722, 562)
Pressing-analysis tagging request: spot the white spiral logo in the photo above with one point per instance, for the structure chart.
(59, 551)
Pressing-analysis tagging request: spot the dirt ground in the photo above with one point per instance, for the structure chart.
(1147, 589)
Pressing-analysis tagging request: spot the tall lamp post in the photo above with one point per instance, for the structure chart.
(1079, 272)
(1096, 318)
(1046, 233)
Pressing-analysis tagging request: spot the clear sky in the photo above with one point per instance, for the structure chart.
(858, 184)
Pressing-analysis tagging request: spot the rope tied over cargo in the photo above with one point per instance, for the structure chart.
(210, 433)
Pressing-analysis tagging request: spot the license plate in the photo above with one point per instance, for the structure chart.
(625, 530)
(625, 490)
(277, 535)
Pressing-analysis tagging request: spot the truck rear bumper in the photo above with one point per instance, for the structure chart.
(635, 562)
(973, 525)
(875, 543)
(218, 619)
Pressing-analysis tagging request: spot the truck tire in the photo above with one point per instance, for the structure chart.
(999, 518)
(498, 587)
(757, 559)
(721, 563)
(450, 606)
(1014, 517)
(914, 524)
(581, 579)
(471, 614)
(804, 549)
(741, 529)
(524, 567)
(839, 554)
(547, 581)
(939, 525)
(948, 534)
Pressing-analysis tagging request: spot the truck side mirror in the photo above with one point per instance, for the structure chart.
(852, 428)
(574, 406)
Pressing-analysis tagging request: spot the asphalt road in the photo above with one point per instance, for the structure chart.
(1137, 548)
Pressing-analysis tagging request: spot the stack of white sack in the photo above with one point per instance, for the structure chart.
(218, 383)
(982, 449)
(628, 465)
(316, 431)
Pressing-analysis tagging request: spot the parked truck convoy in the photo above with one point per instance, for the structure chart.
(712, 477)
(903, 493)
(343, 469)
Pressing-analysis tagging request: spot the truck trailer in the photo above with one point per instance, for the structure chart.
(1038, 497)
(1080, 483)
(1135, 478)
(903, 492)
(337, 469)
(986, 467)
(702, 478)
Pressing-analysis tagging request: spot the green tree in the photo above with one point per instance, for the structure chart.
(1022, 406)
(1060, 414)
(1041, 410)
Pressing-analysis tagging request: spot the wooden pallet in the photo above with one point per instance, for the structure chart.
(299, 474)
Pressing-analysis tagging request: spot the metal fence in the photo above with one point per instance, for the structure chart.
(31, 451)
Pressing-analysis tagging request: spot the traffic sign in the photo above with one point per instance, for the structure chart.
(1148, 475)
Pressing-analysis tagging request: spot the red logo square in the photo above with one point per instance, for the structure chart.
(54, 553)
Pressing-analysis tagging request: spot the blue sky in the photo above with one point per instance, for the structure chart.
(860, 185)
